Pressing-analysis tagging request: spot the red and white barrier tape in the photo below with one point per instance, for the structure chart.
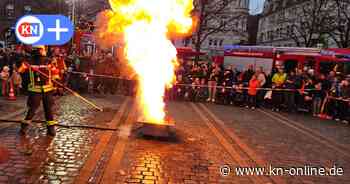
(217, 87)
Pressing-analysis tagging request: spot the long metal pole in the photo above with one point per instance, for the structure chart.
(70, 90)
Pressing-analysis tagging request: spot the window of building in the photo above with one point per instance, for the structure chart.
(215, 42)
(27, 9)
(210, 42)
(243, 25)
(271, 35)
(282, 32)
(10, 11)
(262, 37)
(221, 42)
(288, 30)
(292, 31)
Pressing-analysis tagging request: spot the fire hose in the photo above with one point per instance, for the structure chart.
(63, 125)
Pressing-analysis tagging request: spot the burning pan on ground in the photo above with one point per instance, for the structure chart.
(156, 129)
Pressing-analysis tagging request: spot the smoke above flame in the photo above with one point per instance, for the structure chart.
(144, 29)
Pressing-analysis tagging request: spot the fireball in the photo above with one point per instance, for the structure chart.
(145, 29)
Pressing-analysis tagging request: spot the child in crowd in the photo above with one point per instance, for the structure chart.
(308, 94)
(195, 89)
(343, 102)
(203, 91)
(239, 95)
(17, 81)
(252, 91)
(317, 99)
(4, 75)
(179, 89)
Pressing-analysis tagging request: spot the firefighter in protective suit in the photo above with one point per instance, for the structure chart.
(40, 89)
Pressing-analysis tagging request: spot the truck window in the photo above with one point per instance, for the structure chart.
(326, 66)
(341, 67)
(290, 65)
(310, 63)
(347, 68)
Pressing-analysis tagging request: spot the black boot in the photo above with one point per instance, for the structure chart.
(24, 128)
(51, 130)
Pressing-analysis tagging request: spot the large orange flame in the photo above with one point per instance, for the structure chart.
(145, 27)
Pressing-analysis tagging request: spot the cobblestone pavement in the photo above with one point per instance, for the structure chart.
(283, 146)
(193, 154)
(7, 106)
(36, 158)
(328, 128)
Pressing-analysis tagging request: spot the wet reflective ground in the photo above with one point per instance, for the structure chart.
(37, 158)
(204, 138)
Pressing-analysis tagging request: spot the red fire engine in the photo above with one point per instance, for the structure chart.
(289, 58)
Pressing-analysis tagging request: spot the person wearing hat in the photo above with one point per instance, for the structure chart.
(40, 89)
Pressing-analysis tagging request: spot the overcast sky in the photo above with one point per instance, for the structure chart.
(256, 6)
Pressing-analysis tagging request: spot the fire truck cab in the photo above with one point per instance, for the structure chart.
(289, 58)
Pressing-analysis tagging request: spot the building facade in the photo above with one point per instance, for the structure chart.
(216, 41)
(298, 23)
(86, 10)
(11, 10)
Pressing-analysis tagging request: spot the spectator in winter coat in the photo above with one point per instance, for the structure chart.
(278, 81)
(261, 76)
(290, 95)
(252, 91)
(213, 82)
(308, 93)
(16, 80)
(317, 99)
(343, 103)
(4, 75)
(247, 75)
(239, 94)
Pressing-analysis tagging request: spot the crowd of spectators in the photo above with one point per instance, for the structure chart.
(73, 69)
(300, 90)
(323, 95)
(10, 60)
(99, 73)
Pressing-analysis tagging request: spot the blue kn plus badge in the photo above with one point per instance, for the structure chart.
(44, 29)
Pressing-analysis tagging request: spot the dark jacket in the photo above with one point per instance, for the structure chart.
(345, 91)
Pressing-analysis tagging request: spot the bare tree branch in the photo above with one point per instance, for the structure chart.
(341, 27)
(310, 23)
(215, 16)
